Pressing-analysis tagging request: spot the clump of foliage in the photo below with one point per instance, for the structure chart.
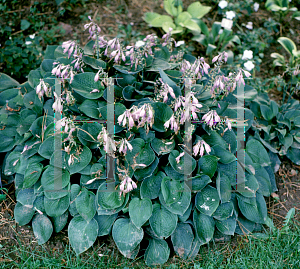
(174, 147)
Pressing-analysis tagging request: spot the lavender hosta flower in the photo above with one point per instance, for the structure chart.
(211, 118)
(126, 118)
(239, 78)
(179, 157)
(124, 146)
(42, 89)
(173, 124)
(222, 56)
(69, 47)
(199, 148)
(57, 105)
(127, 185)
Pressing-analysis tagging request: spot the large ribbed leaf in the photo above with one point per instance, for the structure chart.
(180, 206)
(140, 210)
(223, 187)
(126, 235)
(85, 204)
(23, 214)
(224, 211)
(162, 221)
(207, 201)
(42, 228)
(105, 223)
(108, 199)
(150, 187)
(226, 226)
(161, 146)
(171, 190)
(82, 234)
(257, 152)
(56, 207)
(254, 209)
(157, 252)
(263, 180)
(182, 239)
(60, 222)
(208, 165)
(204, 226)
(186, 165)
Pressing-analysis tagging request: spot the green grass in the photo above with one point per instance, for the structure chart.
(277, 249)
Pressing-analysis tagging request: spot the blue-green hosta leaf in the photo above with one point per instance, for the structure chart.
(40, 125)
(186, 165)
(84, 83)
(128, 70)
(204, 226)
(85, 204)
(256, 212)
(182, 239)
(74, 192)
(56, 207)
(60, 222)
(42, 228)
(108, 199)
(226, 226)
(294, 155)
(6, 82)
(162, 221)
(141, 156)
(93, 128)
(263, 180)
(82, 234)
(162, 113)
(80, 161)
(208, 165)
(244, 226)
(223, 187)
(171, 190)
(26, 197)
(162, 146)
(140, 174)
(90, 108)
(32, 174)
(224, 211)
(140, 210)
(249, 188)
(105, 223)
(157, 252)
(257, 152)
(126, 235)
(39, 204)
(207, 201)
(95, 63)
(180, 206)
(54, 178)
(199, 182)
(23, 214)
(103, 211)
(150, 187)
(186, 214)
(169, 170)
(224, 155)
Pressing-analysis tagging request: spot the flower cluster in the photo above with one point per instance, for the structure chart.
(108, 143)
(211, 118)
(199, 148)
(43, 88)
(57, 105)
(127, 185)
(195, 70)
(124, 146)
(94, 29)
(144, 116)
(63, 71)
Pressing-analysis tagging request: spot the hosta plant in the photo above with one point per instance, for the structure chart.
(178, 20)
(173, 148)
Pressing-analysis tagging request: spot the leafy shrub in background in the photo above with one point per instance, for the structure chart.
(182, 19)
(21, 47)
(166, 194)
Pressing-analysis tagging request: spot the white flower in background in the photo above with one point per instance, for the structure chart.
(139, 43)
(256, 6)
(221, 31)
(249, 25)
(247, 55)
(28, 43)
(225, 23)
(179, 43)
(249, 65)
(32, 36)
(230, 15)
(223, 4)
